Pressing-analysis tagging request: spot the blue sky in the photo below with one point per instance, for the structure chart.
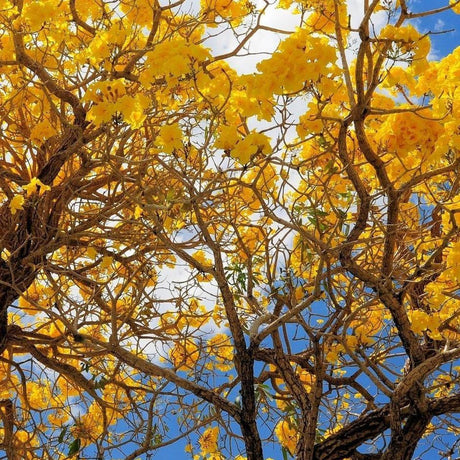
(442, 43)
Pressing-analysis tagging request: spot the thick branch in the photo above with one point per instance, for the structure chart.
(368, 426)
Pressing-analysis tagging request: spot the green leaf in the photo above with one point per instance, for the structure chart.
(264, 387)
(101, 383)
(170, 195)
(285, 453)
(62, 433)
(74, 446)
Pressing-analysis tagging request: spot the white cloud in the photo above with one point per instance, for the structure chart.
(440, 25)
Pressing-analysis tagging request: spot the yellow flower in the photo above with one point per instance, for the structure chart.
(287, 435)
(91, 252)
(170, 137)
(132, 109)
(42, 130)
(16, 204)
(185, 354)
(233, 10)
(456, 8)
(200, 257)
(38, 395)
(39, 12)
(420, 321)
(106, 262)
(101, 113)
(208, 441)
(228, 137)
(58, 418)
(138, 211)
(249, 146)
(36, 185)
(222, 348)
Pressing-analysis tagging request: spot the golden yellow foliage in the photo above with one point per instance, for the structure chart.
(228, 223)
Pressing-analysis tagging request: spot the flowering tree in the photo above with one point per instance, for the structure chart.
(234, 260)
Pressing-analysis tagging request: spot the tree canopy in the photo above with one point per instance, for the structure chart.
(250, 252)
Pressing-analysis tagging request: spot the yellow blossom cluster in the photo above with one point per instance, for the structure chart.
(287, 434)
(110, 100)
(221, 348)
(305, 64)
(185, 354)
(233, 11)
(171, 59)
(208, 444)
(410, 43)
